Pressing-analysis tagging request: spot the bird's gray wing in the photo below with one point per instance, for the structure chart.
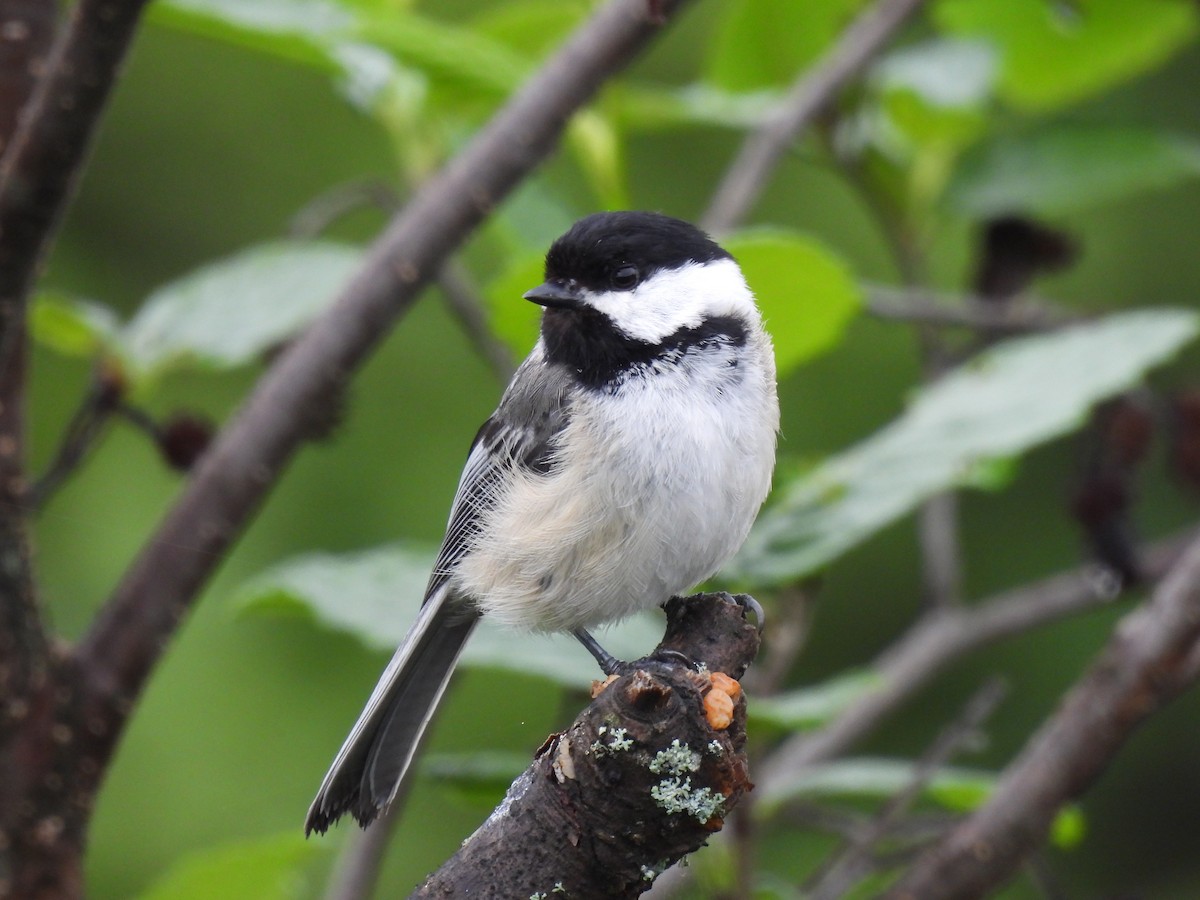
(521, 434)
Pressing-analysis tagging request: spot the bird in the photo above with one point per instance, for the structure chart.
(625, 464)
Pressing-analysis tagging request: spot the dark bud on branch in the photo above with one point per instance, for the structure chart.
(1014, 250)
(182, 439)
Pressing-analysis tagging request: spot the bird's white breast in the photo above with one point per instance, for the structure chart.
(656, 486)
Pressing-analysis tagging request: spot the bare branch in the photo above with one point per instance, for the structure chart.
(1143, 666)
(948, 311)
(26, 31)
(236, 472)
(854, 862)
(942, 636)
(41, 166)
(747, 176)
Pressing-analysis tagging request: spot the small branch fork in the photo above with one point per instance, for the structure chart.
(1149, 659)
(747, 176)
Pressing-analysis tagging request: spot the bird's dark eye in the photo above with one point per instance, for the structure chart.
(625, 278)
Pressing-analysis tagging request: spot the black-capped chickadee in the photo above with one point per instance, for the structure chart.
(625, 464)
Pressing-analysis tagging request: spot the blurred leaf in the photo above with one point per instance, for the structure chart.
(765, 43)
(1069, 167)
(1008, 399)
(71, 326)
(597, 146)
(954, 788)
(530, 27)
(300, 31)
(229, 312)
(654, 108)
(1055, 54)
(946, 73)
(812, 707)
(805, 291)
(374, 595)
(460, 57)
(273, 868)
(370, 594)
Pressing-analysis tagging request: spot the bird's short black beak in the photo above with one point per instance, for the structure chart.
(557, 293)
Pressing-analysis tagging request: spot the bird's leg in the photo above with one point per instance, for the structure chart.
(609, 664)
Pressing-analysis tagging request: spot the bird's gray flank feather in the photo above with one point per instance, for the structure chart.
(369, 769)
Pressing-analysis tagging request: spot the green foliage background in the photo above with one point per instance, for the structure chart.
(212, 144)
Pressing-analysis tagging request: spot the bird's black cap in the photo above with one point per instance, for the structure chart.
(594, 249)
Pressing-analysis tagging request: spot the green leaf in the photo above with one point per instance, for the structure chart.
(1008, 399)
(227, 313)
(806, 293)
(765, 43)
(71, 326)
(457, 57)
(374, 596)
(655, 108)
(1055, 54)
(812, 707)
(300, 31)
(273, 868)
(1067, 168)
(955, 788)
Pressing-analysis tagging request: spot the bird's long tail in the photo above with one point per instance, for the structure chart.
(367, 772)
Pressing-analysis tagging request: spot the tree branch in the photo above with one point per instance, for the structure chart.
(947, 311)
(944, 635)
(26, 32)
(854, 862)
(41, 166)
(746, 178)
(1145, 664)
(236, 472)
(641, 778)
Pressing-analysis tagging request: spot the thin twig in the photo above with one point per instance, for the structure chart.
(855, 862)
(361, 857)
(81, 434)
(747, 176)
(464, 301)
(1142, 667)
(941, 556)
(948, 311)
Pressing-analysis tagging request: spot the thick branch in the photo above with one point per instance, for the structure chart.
(637, 782)
(39, 171)
(26, 30)
(752, 168)
(235, 474)
(1145, 664)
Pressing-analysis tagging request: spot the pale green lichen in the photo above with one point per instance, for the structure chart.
(676, 795)
(715, 748)
(618, 742)
(675, 760)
